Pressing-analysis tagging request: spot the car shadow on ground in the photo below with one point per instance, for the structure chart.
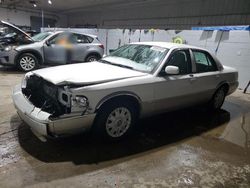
(14, 70)
(9, 70)
(151, 133)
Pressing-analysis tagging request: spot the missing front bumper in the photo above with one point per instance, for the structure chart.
(40, 123)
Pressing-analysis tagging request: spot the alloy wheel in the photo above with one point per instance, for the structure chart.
(91, 59)
(27, 63)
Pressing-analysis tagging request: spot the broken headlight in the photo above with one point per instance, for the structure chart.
(9, 48)
(79, 101)
(24, 80)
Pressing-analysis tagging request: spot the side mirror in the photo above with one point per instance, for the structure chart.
(48, 43)
(172, 70)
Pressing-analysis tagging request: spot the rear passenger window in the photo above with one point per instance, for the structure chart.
(204, 62)
(78, 38)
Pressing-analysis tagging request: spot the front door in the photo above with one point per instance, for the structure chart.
(175, 91)
(56, 49)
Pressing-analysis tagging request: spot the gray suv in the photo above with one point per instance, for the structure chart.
(49, 48)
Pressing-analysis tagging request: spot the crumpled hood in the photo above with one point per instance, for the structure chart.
(85, 73)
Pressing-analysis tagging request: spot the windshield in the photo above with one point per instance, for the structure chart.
(41, 36)
(144, 58)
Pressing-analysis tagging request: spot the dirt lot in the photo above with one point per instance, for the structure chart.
(187, 148)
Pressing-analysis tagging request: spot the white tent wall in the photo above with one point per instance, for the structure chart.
(233, 46)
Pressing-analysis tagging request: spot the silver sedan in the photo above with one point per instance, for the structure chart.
(108, 96)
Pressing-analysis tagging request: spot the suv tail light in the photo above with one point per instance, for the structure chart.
(101, 46)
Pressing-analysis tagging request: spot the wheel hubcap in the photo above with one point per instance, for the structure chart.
(92, 59)
(219, 98)
(118, 122)
(27, 63)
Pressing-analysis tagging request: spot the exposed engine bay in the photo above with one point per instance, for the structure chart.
(11, 36)
(44, 95)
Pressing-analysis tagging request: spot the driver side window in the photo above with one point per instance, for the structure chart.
(182, 60)
(59, 39)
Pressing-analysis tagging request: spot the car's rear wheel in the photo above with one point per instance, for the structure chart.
(115, 120)
(92, 58)
(218, 98)
(27, 62)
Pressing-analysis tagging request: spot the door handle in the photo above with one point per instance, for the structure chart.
(192, 79)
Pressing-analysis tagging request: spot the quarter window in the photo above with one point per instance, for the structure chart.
(204, 62)
(78, 38)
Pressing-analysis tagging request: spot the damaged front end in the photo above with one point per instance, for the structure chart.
(46, 96)
(49, 109)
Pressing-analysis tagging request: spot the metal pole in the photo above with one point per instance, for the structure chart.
(245, 90)
(42, 19)
(42, 16)
(216, 50)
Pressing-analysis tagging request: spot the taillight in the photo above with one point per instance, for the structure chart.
(101, 46)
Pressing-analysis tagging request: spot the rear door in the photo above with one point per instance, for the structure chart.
(206, 75)
(80, 46)
(56, 49)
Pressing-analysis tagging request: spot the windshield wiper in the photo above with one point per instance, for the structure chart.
(115, 64)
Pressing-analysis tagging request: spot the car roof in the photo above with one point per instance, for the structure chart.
(168, 45)
(60, 31)
(93, 36)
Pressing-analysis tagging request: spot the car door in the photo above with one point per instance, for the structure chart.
(175, 91)
(207, 76)
(56, 49)
(80, 45)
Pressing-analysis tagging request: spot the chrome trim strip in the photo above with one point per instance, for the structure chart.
(117, 94)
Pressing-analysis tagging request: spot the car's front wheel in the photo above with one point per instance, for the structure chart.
(27, 62)
(115, 120)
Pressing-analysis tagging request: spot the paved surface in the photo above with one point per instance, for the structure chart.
(187, 148)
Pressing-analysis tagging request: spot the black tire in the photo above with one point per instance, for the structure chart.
(102, 129)
(218, 98)
(27, 62)
(92, 57)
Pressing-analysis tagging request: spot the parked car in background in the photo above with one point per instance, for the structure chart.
(109, 95)
(17, 48)
(32, 32)
(12, 35)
